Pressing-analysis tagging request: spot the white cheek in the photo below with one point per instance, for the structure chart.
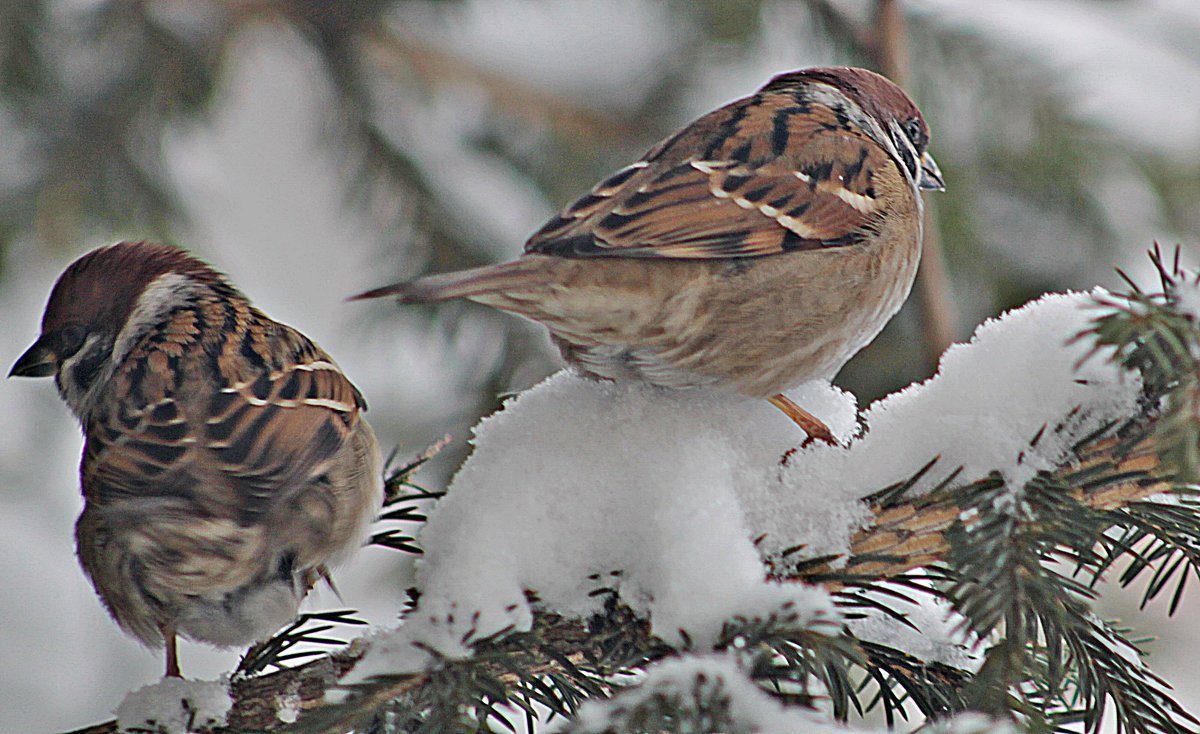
(909, 160)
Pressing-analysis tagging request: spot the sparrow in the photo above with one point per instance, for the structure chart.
(759, 247)
(227, 462)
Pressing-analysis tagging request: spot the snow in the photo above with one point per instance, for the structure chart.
(624, 486)
(1185, 296)
(981, 412)
(971, 722)
(175, 706)
(720, 681)
(396, 363)
(672, 498)
(577, 486)
(288, 703)
(715, 679)
(939, 635)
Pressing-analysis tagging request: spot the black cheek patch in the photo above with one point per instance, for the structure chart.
(84, 372)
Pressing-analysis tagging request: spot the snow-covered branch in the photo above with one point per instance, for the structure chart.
(600, 530)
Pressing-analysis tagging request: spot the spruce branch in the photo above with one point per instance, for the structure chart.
(308, 629)
(1110, 473)
(1018, 563)
(908, 534)
(404, 500)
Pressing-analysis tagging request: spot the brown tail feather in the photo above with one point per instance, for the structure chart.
(462, 284)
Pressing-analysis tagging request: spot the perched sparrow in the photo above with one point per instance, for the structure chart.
(757, 248)
(227, 460)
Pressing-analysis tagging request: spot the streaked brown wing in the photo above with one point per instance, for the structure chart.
(279, 432)
(196, 468)
(768, 178)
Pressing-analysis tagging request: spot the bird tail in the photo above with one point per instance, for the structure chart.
(462, 284)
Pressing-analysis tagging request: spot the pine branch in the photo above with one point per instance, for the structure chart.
(1018, 563)
(1113, 473)
(280, 648)
(912, 534)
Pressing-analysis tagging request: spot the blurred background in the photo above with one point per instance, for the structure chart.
(313, 149)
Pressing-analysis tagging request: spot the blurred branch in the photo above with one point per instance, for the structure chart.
(890, 41)
(839, 25)
(398, 53)
(890, 45)
(933, 289)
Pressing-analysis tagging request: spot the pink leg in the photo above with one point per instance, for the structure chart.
(812, 425)
(172, 653)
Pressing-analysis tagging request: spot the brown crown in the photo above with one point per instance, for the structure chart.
(877, 95)
(102, 287)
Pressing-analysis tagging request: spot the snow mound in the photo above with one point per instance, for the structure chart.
(175, 706)
(1013, 399)
(672, 499)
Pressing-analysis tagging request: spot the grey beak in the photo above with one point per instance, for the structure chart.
(37, 361)
(931, 175)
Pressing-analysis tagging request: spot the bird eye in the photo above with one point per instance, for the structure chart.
(70, 339)
(916, 133)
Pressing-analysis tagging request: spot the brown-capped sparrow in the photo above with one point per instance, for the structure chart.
(227, 461)
(759, 247)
